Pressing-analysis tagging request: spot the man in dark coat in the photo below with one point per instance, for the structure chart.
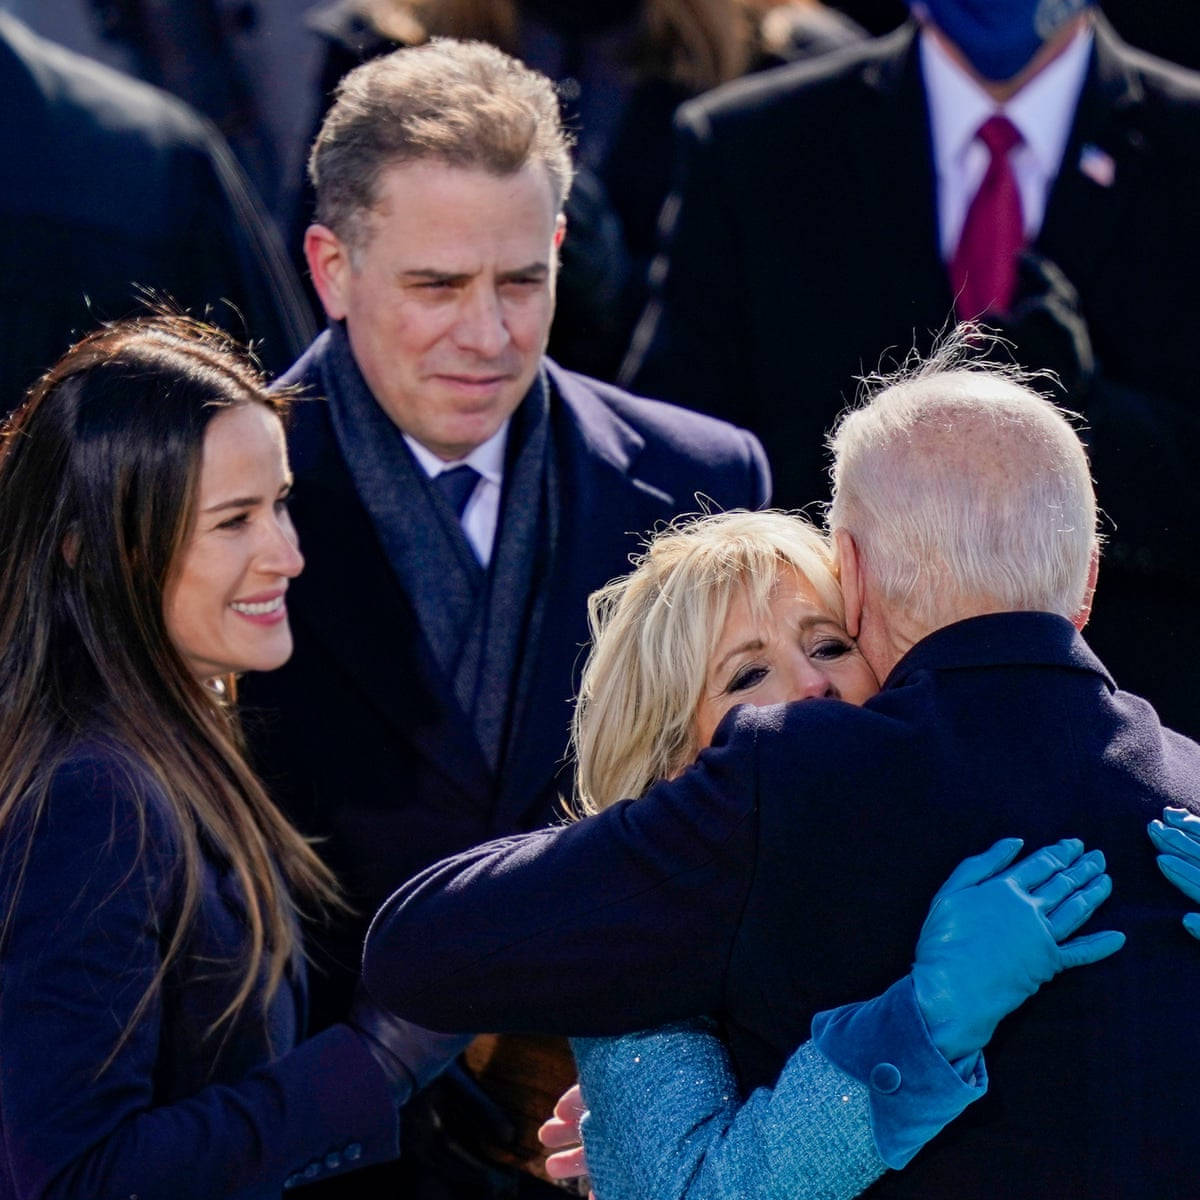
(109, 185)
(787, 871)
(815, 226)
(458, 496)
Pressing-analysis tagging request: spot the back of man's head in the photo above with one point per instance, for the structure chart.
(965, 492)
(461, 104)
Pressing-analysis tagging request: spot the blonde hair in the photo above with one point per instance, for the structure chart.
(654, 631)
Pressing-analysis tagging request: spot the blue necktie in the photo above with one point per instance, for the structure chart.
(456, 486)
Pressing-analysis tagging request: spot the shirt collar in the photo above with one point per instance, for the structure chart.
(487, 459)
(1042, 110)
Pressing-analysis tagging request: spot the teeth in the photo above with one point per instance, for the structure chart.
(258, 610)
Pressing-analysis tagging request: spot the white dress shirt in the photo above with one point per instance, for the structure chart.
(1042, 111)
(482, 514)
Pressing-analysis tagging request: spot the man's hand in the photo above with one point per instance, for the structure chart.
(991, 939)
(561, 1134)
(1047, 327)
(1177, 839)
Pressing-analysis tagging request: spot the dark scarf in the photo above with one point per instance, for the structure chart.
(481, 626)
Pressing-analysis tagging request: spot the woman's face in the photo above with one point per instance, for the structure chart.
(796, 650)
(224, 605)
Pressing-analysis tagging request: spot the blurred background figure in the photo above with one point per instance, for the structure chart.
(109, 186)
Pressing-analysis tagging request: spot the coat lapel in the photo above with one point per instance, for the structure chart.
(605, 510)
(895, 165)
(383, 649)
(1101, 166)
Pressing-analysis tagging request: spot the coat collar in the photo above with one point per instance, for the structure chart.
(1013, 639)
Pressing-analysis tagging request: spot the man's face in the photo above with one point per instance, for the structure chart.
(449, 300)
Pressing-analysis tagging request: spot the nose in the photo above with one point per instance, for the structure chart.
(280, 554)
(481, 326)
(811, 682)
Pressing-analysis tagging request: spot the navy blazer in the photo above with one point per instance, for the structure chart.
(359, 737)
(790, 870)
(178, 1114)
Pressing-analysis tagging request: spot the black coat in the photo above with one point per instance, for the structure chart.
(108, 184)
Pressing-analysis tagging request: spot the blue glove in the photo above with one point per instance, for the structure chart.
(410, 1056)
(1177, 839)
(991, 940)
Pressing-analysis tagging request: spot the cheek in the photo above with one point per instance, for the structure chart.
(856, 681)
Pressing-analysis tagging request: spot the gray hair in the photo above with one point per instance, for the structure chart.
(463, 104)
(962, 485)
(654, 631)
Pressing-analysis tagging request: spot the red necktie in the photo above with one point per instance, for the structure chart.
(983, 271)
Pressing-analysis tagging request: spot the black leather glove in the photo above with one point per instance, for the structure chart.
(1047, 328)
(410, 1056)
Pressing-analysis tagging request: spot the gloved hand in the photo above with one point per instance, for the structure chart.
(1177, 839)
(991, 940)
(1047, 327)
(410, 1056)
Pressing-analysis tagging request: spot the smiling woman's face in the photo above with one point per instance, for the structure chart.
(224, 605)
(794, 650)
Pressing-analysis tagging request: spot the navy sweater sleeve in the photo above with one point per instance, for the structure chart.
(89, 895)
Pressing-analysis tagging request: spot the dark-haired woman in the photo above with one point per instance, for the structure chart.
(151, 973)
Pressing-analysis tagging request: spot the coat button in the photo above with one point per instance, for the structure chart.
(353, 1152)
(885, 1078)
(312, 1170)
(333, 1160)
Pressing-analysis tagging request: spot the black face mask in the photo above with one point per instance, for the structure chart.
(575, 18)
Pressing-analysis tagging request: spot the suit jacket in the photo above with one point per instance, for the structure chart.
(791, 869)
(802, 251)
(108, 184)
(359, 736)
(178, 1113)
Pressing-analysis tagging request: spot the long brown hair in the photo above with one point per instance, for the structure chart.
(98, 479)
(696, 44)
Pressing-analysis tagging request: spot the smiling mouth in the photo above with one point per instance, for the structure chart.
(257, 610)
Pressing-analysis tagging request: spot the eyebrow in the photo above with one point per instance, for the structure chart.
(240, 502)
(247, 501)
(429, 275)
(752, 644)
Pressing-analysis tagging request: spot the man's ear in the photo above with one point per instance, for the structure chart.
(1080, 619)
(329, 264)
(850, 579)
(560, 231)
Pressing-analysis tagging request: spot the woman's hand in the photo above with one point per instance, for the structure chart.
(561, 1134)
(993, 936)
(1177, 839)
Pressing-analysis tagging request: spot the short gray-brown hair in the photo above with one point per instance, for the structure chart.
(464, 104)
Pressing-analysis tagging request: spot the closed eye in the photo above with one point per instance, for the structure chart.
(831, 648)
(746, 678)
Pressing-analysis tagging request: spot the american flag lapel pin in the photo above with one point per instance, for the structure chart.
(1098, 165)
